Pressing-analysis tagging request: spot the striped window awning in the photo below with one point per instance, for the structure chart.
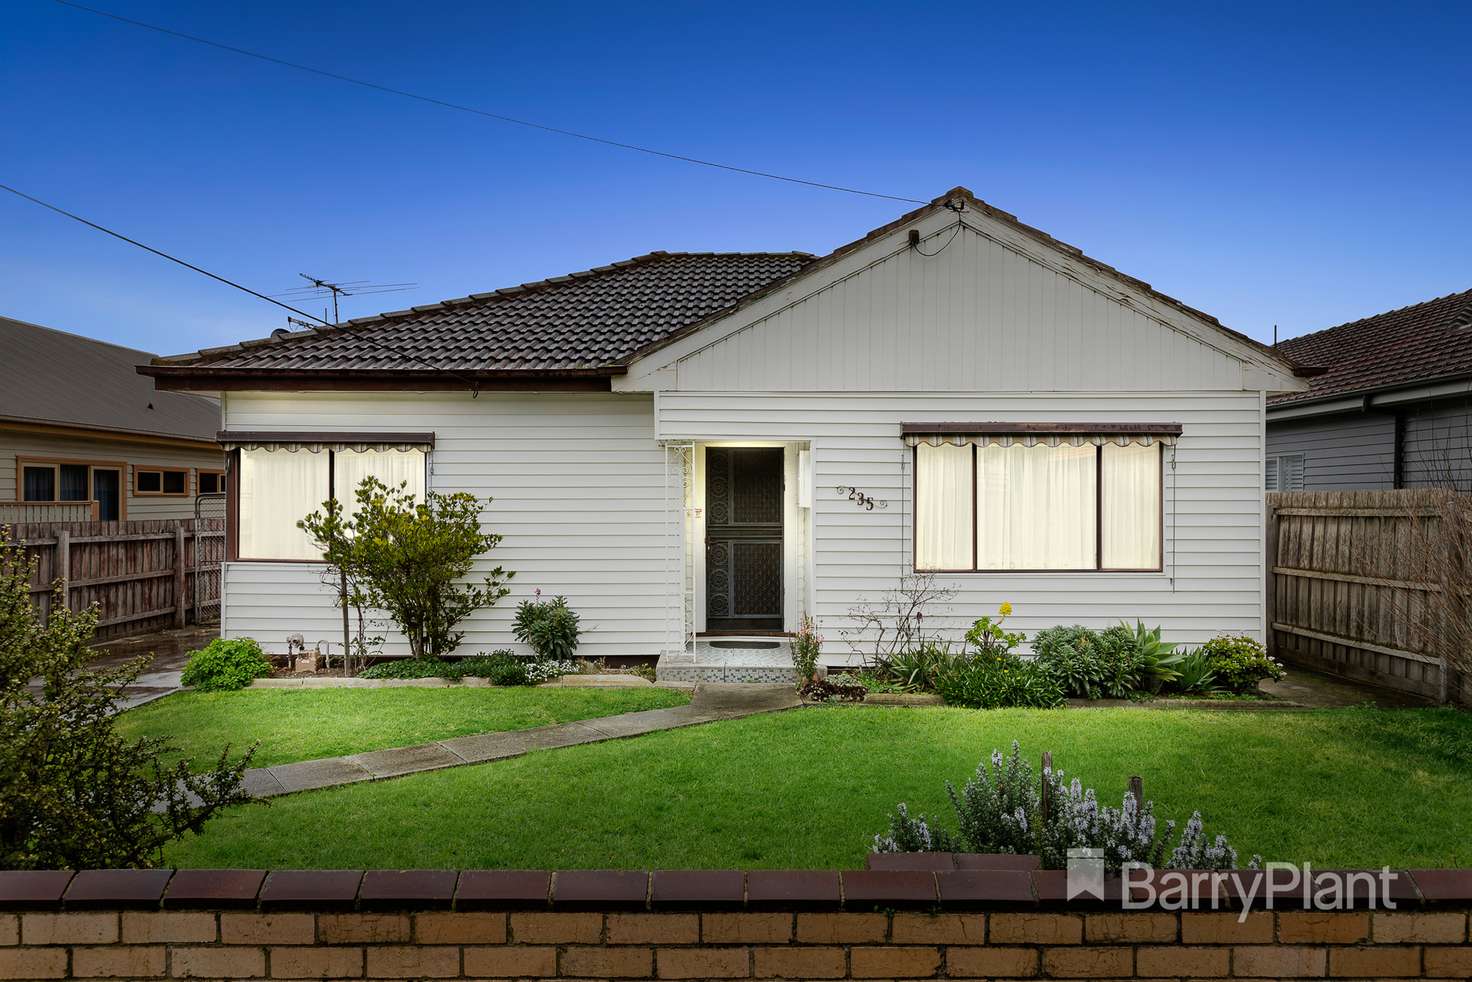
(1035, 434)
(318, 440)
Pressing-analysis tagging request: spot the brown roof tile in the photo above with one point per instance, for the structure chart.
(1412, 345)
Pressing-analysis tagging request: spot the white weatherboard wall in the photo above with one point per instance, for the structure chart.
(1213, 580)
(579, 490)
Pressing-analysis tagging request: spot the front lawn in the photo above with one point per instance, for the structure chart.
(808, 788)
(304, 724)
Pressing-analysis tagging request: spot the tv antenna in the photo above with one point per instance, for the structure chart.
(320, 289)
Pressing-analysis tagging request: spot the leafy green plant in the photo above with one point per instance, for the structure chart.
(988, 638)
(1156, 661)
(914, 669)
(74, 793)
(807, 644)
(999, 810)
(1239, 662)
(222, 665)
(550, 627)
(1089, 664)
(412, 559)
(1195, 675)
(832, 690)
(409, 668)
(999, 683)
(498, 668)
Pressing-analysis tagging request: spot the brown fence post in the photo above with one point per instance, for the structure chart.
(181, 590)
(62, 566)
(1270, 559)
(1137, 788)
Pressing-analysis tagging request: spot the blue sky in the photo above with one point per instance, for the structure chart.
(1285, 163)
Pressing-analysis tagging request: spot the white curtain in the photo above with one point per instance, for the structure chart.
(1035, 507)
(392, 467)
(1131, 488)
(278, 488)
(942, 507)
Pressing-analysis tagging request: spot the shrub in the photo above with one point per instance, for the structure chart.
(412, 559)
(1089, 664)
(987, 637)
(409, 668)
(807, 644)
(1195, 675)
(545, 670)
(222, 665)
(549, 626)
(73, 793)
(914, 669)
(498, 668)
(1239, 662)
(998, 683)
(1155, 661)
(999, 810)
(832, 690)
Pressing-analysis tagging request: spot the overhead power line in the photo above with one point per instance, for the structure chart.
(500, 117)
(363, 338)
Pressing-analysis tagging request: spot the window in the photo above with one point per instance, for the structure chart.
(281, 483)
(1284, 472)
(1068, 501)
(71, 481)
(211, 482)
(39, 483)
(157, 480)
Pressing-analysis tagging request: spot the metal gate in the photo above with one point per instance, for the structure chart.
(209, 556)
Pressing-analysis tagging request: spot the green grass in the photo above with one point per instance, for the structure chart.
(302, 724)
(809, 788)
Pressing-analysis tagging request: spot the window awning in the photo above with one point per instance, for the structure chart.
(316, 440)
(1033, 434)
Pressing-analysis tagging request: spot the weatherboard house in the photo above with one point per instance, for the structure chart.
(689, 445)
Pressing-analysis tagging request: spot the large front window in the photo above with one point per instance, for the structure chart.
(280, 484)
(1075, 501)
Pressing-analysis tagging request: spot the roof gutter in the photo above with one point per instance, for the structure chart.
(1383, 399)
(205, 378)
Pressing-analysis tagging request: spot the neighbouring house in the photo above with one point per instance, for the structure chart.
(1392, 408)
(84, 438)
(691, 444)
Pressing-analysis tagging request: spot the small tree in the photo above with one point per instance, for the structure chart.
(411, 559)
(73, 793)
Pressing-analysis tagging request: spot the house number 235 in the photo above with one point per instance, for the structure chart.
(861, 499)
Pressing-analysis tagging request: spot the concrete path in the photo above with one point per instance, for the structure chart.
(711, 702)
(1309, 688)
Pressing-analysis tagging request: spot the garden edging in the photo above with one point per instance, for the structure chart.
(570, 681)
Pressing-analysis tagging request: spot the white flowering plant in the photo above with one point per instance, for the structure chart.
(1000, 810)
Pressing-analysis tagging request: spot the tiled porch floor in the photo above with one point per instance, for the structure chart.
(709, 663)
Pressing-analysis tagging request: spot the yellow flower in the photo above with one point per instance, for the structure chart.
(1005, 609)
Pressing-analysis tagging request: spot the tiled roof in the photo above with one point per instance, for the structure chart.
(50, 376)
(1420, 343)
(579, 322)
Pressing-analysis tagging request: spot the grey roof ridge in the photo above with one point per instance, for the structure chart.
(1384, 313)
(203, 355)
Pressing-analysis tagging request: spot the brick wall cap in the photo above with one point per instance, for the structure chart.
(600, 889)
(998, 860)
(327, 889)
(793, 889)
(705, 888)
(407, 888)
(1439, 886)
(868, 889)
(214, 888)
(503, 889)
(26, 888)
(93, 888)
(932, 861)
(976, 887)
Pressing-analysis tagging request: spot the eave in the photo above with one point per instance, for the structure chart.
(82, 432)
(205, 378)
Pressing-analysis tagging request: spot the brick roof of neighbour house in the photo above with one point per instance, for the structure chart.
(591, 324)
(1424, 342)
(580, 323)
(59, 379)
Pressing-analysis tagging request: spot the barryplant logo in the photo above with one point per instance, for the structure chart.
(1085, 873)
(1286, 884)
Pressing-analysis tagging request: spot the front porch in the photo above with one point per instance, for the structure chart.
(761, 660)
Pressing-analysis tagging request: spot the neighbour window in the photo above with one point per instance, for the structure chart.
(280, 484)
(162, 481)
(44, 481)
(39, 483)
(211, 482)
(1284, 472)
(1065, 502)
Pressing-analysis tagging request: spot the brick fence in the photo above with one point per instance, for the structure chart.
(962, 920)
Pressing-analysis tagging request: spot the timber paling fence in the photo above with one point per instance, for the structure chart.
(143, 575)
(1352, 583)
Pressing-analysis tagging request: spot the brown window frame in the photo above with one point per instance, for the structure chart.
(160, 471)
(55, 464)
(1098, 567)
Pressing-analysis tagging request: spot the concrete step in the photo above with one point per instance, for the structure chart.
(727, 664)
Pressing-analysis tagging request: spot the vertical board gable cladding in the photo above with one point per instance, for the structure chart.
(579, 495)
(977, 316)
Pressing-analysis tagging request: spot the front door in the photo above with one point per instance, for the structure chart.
(743, 539)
